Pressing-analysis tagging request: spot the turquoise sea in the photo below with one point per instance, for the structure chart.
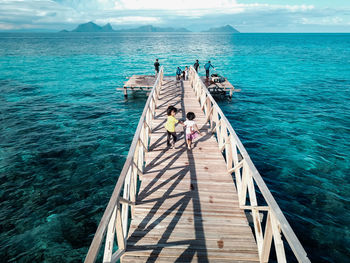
(65, 131)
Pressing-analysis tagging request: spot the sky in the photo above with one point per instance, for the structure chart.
(196, 15)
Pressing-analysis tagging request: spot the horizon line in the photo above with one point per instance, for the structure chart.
(282, 32)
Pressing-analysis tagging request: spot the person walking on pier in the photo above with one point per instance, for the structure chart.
(207, 66)
(196, 65)
(156, 67)
(192, 130)
(178, 73)
(170, 126)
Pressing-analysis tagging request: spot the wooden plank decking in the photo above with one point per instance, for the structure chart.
(146, 82)
(140, 81)
(217, 88)
(187, 207)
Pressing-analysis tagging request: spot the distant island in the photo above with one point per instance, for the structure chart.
(150, 28)
(91, 27)
(223, 29)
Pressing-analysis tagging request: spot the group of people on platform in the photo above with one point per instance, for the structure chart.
(183, 74)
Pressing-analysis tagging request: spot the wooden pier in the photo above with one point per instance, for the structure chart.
(187, 207)
(138, 83)
(191, 205)
(219, 89)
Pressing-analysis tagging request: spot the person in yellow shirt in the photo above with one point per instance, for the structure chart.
(170, 125)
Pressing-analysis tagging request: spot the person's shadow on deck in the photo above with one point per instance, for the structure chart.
(196, 245)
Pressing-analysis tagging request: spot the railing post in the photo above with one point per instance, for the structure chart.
(145, 135)
(107, 256)
(133, 182)
(119, 229)
(207, 108)
(126, 195)
(266, 247)
(141, 158)
(237, 171)
(279, 247)
(243, 192)
(228, 153)
(257, 229)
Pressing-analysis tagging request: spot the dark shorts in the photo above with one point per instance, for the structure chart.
(169, 135)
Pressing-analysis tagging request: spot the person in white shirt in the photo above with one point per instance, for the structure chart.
(186, 73)
(192, 130)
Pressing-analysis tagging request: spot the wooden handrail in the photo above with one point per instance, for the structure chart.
(115, 217)
(245, 175)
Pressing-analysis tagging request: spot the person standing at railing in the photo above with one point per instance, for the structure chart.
(156, 67)
(196, 65)
(178, 73)
(207, 67)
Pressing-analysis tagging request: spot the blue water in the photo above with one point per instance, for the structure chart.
(65, 131)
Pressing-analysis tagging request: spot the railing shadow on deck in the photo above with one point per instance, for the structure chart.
(180, 206)
(247, 178)
(114, 222)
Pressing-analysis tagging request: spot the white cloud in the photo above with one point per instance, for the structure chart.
(295, 8)
(172, 5)
(323, 21)
(7, 26)
(179, 7)
(58, 14)
(129, 19)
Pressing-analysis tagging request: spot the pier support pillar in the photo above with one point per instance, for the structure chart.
(125, 93)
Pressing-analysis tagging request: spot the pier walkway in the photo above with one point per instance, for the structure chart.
(187, 207)
(199, 205)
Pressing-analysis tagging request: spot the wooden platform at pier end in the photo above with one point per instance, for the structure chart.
(146, 82)
(219, 88)
(187, 207)
(140, 81)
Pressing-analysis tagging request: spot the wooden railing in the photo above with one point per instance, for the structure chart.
(246, 178)
(114, 222)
